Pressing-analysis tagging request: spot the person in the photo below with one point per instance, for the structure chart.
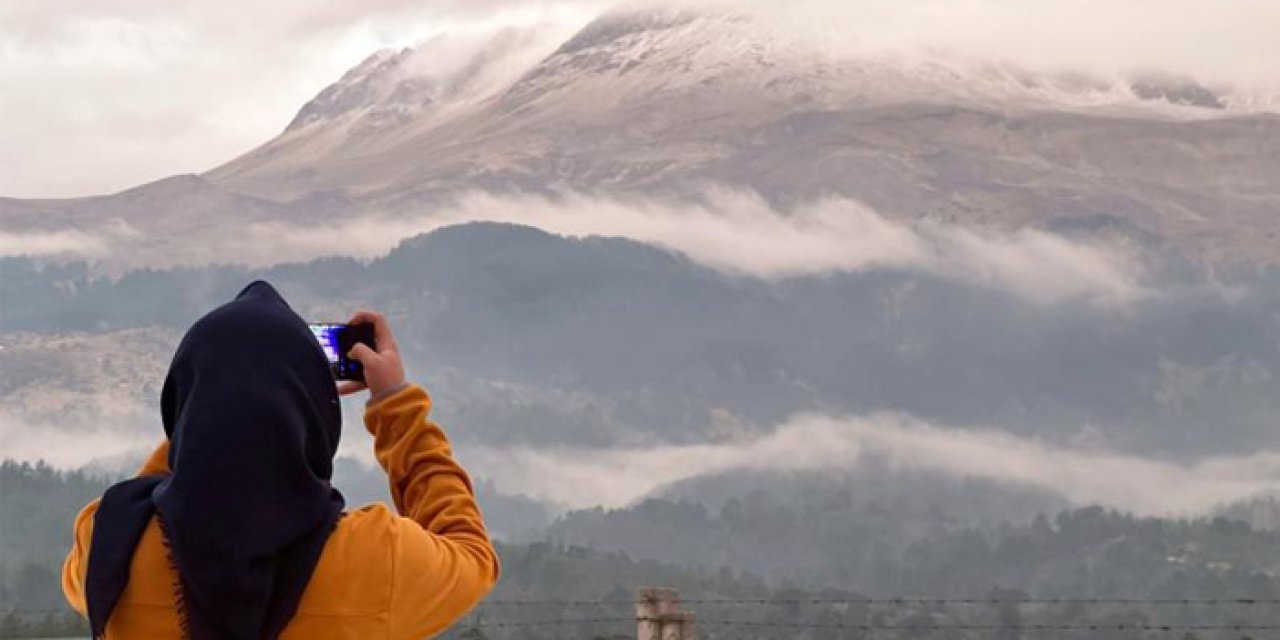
(232, 530)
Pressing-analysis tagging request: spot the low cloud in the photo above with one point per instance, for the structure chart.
(735, 232)
(112, 434)
(95, 243)
(113, 444)
(617, 477)
(738, 232)
(68, 241)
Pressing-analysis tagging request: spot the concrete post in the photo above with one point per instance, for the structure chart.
(660, 616)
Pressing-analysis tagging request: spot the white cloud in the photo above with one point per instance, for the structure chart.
(733, 231)
(1230, 41)
(96, 243)
(114, 434)
(121, 429)
(616, 477)
(67, 241)
(738, 232)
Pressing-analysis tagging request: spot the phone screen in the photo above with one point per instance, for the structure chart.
(336, 340)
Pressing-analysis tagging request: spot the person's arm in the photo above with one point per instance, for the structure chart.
(77, 562)
(443, 561)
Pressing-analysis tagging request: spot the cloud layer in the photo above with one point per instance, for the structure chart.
(121, 435)
(613, 477)
(97, 243)
(736, 232)
(1222, 42)
(739, 233)
(52, 243)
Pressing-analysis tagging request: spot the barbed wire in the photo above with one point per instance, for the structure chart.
(999, 601)
(1119, 627)
(537, 623)
(901, 601)
(1097, 627)
(961, 626)
(894, 600)
(954, 626)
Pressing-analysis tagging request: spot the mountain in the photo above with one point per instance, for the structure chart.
(174, 205)
(183, 219)
(665, 104)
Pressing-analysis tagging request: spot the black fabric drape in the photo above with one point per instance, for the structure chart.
(251, 411)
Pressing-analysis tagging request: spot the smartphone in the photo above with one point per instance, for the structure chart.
(336, 339)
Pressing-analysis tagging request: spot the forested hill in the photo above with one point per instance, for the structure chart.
(553, 340)
(875, 549)
(37, 506)
(1086, 553)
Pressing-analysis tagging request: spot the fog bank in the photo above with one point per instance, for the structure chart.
(616, 477)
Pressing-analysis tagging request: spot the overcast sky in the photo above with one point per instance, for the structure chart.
(100, 95)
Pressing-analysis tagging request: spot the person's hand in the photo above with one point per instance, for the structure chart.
(383, 369)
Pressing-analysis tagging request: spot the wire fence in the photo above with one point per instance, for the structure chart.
(1241, 617)
(898, 601)
(912, 601)
(517, 614)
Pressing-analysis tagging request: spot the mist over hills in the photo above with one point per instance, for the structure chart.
(679, 273)
(535, 340)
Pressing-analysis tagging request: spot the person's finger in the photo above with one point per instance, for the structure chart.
(381, 328)
(365, 315)
(348, 388)
(362, 353)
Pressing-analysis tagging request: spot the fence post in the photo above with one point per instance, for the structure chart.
(660, 616)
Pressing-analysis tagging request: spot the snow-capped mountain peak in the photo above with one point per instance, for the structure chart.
(392, 87)
(664, 103)
(712, 61)
(367, 83)
(628, 57)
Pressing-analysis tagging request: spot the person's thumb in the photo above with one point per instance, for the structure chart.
(362, 353)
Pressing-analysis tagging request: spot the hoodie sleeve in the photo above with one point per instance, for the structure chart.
(442, 560)
(77, 562)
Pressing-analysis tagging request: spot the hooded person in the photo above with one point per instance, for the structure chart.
(232, 528)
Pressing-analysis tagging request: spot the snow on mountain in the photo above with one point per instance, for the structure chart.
(663, 104)
(365, 84)
(674, 86)
(391, 87)
(646, 56)
(659, 55)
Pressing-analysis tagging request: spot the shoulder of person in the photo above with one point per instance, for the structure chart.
(375, 523)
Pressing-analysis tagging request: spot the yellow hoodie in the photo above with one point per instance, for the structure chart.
(381, 575)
